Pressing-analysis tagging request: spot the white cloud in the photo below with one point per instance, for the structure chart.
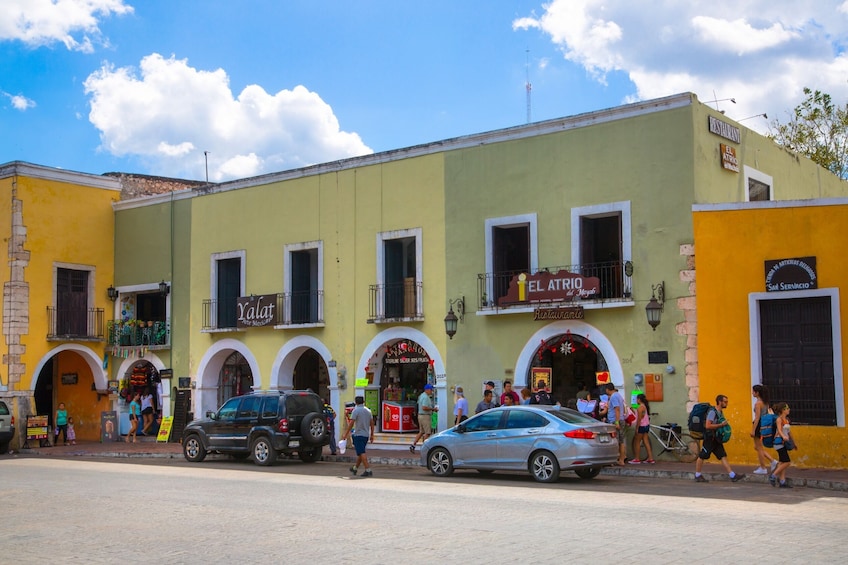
(761, 52)
(170, 113)
(44, 22)
(20, 102)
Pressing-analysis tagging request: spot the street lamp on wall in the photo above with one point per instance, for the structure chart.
(112, 293)
(451, 320)
(655, 305)
(164, 288)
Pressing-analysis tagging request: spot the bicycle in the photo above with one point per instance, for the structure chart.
(671, 437)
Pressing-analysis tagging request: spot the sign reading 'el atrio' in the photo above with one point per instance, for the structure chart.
(791, 274)
(563, 286)
(256, 311)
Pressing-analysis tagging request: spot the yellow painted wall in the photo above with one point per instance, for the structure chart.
(731, 248)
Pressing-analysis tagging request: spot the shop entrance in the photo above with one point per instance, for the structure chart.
(573, 360)
(235, 378)
(311, 373)
(406, 369)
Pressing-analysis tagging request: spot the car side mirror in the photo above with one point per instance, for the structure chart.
(210, 414)
(460, 428)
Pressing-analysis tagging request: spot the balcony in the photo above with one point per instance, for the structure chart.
(74, 324)
(615, 286)
(135, 333)
(396, 302)
(291, 309)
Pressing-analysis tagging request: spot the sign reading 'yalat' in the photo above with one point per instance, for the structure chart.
(791, 274)
(256, 311)
(563, 286)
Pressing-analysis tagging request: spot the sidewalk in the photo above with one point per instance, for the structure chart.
(827, 479)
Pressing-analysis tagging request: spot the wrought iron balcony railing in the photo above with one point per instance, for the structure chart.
(615, 284)
(74, 323)
(292, 308)
(396, 301)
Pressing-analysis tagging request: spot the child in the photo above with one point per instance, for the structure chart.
(643, 419)
(781, 440)
(72, 435)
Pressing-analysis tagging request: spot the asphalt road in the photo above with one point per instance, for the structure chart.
(170, 511)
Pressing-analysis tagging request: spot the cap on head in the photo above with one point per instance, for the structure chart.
(428, 386)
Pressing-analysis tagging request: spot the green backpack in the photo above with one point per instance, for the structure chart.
(722, 434)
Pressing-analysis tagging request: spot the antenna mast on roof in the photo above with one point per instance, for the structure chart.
(527, 84)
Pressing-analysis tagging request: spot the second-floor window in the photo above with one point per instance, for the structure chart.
(303, 287)
(227, 285)
(71, 302)
(399, 256)
(510, 250)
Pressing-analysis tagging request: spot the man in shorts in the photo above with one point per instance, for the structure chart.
(712, 444)
(615, 416)
(361, 423)
(425, 416)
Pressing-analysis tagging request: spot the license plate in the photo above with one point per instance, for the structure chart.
(603, 438)
(294, 443)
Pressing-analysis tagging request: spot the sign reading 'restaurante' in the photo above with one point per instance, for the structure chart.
(563, 286)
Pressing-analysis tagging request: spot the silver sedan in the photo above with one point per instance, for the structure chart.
(542, 440)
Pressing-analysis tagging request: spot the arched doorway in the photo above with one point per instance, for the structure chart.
(311, 373)
(235, 378)
(573, 359)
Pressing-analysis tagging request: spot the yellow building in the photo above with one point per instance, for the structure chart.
(770, 277)
(59, 226)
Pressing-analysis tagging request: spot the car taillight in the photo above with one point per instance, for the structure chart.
(581, 433)
(13, 420)
(284, 425)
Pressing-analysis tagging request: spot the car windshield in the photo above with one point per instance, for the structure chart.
(4, 411)
(572, 417)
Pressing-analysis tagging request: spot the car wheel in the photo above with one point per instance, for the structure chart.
(310, 455)
(313, 429)
(588, 473)
(193, 449)
(544, 467)
(439, 462)
(263, 451)
(240, 456)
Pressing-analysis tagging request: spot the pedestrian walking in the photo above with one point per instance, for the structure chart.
(425, 416)
(146, 411)
(460, 406)
(714, 430)
(643, 427)
(135, 414)
(783, 443)
(615, 416)
(361, 424)
(761, 408)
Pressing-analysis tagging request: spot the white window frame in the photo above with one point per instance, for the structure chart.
(754, 327)
(213, 279)
(290, 248)
(751, 173)
(382, 237)
(598, 211)
(508, 222)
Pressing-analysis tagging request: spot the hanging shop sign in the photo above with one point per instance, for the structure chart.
(724, 130)
(563, 286)
(567, 313)
(728, 158)
(404, 352)
(791, 274)
(256, 311)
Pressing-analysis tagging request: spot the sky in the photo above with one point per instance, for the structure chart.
(238, 88)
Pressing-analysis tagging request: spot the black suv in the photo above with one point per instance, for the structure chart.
(261, 424)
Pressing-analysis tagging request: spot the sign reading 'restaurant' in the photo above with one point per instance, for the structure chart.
(791, 274)
(563, 286)
(725, 130)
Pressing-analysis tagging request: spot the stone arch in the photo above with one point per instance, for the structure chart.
(209, 368)
(92, 359)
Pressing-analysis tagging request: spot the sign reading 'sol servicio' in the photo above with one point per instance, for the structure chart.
(791, 274)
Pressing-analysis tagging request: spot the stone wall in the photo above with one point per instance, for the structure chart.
(689, 326)
(135, 186)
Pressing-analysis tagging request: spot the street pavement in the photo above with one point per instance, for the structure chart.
(381, 454)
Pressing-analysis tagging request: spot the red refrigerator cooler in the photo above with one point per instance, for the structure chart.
(399, 416)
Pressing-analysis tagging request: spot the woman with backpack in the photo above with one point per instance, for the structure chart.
(761, 408)
(783, 444)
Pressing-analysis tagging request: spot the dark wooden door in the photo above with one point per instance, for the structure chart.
(797, 357)
(71, 302)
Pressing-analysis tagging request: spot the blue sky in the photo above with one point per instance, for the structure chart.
(148, 86)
